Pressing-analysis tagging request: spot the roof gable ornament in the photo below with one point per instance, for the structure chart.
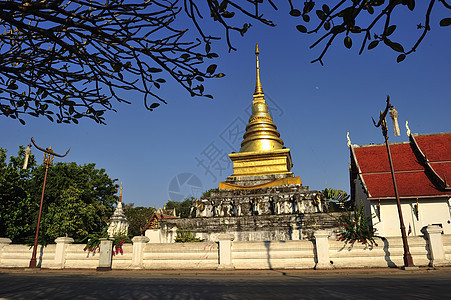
(349, 140)
(408, 129)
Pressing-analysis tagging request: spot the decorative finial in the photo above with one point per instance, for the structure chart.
(27, 155)
(408, 129)
(258, 85)
(120, 193)
(394, 116)
(349, 140)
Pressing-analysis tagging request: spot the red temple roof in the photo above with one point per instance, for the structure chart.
(422, 167)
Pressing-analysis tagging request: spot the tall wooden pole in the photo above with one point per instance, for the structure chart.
(408, 262)
(48, 161)
(35, 246)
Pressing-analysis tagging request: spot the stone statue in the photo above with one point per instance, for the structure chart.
(237, 208)
(300, 207)
(228, 209)
(294, 208)
(287, 206)
(217, 208)
(256, 203)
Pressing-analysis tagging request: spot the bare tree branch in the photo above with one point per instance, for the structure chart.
(72, 59)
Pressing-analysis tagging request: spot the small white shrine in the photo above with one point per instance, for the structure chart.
(118, 223)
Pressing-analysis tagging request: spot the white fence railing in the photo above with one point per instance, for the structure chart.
(433, 249)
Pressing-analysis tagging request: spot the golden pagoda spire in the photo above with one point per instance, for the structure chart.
(261, 133)
(262, 152)
(120, 194)
(258, 85)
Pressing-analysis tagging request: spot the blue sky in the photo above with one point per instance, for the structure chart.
(312, 105)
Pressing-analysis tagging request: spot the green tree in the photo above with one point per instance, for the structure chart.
(138, 218)
(207, 193)
(78, 199)
(185, 235)
(337, 200)
(183, 208)
(16, 206)
(69, 214)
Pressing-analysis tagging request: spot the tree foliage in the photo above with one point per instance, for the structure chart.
(69, 214)
(185, 235)
(78, 200)
(69, 59)
(373, 21)
(337, 200)
(367, 19)
(16, 206)
(182, 208)
(356, 227)
(207, 193)
(72, 59)
(138, 218)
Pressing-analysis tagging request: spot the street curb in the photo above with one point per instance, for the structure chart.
(202, 273)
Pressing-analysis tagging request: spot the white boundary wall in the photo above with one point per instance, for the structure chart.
(433, 249)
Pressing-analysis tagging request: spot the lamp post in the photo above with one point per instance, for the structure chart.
(48, 161)
(408, 262)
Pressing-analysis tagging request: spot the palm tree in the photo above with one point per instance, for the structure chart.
(337, 200)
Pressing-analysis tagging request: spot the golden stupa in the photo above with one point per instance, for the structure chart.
(262, 150)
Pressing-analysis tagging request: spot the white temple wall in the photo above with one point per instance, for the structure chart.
(154, 235)
(18, 256)
(388, 253)
(201, 255)
(76, 257)
(430, 212)
(447, 246)
(432, 249)
(273, 255)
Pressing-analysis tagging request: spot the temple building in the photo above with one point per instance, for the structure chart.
(422, 169)
(153, 230)
(262, 200)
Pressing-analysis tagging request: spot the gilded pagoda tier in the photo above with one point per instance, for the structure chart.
(261, 162)
(261, 133)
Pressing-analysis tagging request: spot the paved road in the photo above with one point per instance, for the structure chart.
(225, 285)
